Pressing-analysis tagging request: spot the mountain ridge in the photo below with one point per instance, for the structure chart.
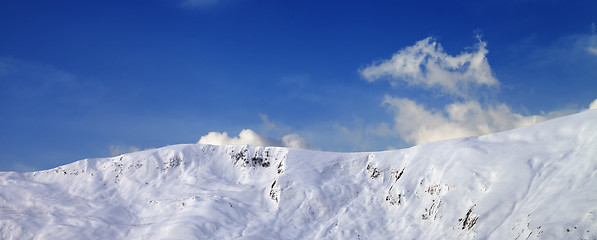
(528, 183)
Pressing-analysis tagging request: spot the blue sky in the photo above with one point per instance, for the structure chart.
(82, 80)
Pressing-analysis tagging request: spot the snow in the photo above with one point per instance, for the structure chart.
(537, 182)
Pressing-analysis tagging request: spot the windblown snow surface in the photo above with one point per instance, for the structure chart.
(538, 182)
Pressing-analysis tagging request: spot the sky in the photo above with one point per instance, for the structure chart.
(81, 79)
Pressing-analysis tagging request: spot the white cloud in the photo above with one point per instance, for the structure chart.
(427, 65)
(116, 150)
(245, 137)
(417, 124)
(593, 105)
(249, 137)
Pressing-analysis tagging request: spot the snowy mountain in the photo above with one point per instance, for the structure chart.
(538, 182)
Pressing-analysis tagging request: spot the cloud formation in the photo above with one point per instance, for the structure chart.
(249, 137)
(426, 65)
(417, 124)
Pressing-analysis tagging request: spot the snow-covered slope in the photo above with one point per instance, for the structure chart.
(538, 182)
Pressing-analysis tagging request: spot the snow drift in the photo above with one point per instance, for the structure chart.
(538, 182)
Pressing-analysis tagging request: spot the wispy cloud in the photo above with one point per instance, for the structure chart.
(116, 150)
(267, 123)
(200, 3)
(426, 65)
(592, 50)
(43, 83)
(29, 79)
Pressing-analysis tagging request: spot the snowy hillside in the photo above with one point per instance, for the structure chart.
(538, 182)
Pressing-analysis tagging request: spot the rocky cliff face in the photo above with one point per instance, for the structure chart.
(532, 183)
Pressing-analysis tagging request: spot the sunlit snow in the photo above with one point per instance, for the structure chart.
(538, 182)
